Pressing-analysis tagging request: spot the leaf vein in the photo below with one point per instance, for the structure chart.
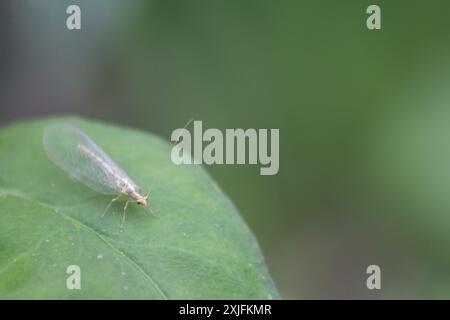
(18, 194)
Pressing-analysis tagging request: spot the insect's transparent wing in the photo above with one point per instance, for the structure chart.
(62, 142)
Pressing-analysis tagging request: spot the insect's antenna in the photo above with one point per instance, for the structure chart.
(185, 126)
(149, 208)
(175, 142)
(153, 213)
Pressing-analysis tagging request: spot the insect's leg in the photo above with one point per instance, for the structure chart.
(124, 213)
(109, 205)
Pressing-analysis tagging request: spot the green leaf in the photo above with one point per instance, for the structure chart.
(199, 248)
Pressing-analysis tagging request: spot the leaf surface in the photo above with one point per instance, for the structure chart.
(199, 248)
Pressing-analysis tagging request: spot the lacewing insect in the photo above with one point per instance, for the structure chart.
(76, 153)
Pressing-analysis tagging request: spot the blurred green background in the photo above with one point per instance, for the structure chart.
(363, 115)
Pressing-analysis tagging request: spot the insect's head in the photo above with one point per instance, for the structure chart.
(143, 201)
